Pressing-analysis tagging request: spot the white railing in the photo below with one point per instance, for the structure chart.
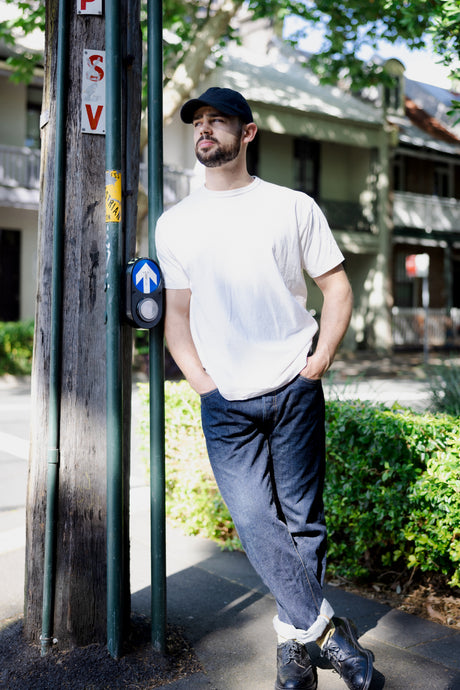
(425, 212)
(409, 324)
(176, 183)
(19, 167)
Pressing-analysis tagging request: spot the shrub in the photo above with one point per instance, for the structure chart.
(434, 518)
(377, 465)
(16, 346)
(392, 491)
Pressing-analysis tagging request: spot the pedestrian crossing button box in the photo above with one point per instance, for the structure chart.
(144, 293)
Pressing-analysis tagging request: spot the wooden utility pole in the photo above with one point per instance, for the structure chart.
(80, 569)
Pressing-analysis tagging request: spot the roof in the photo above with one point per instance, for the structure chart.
(435, 102)
(280, 78)
(429, 124)
(412, 135)
(426, 123)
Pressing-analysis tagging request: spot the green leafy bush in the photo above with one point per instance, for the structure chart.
(378, 469)
(434, 520)
(392, 491)
(16, 345)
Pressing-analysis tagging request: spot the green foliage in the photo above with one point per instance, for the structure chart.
(16, 345)
(348, 26)
(434, 521)
(444, 384)
(379, 464)
(392, 491)
(30, 18)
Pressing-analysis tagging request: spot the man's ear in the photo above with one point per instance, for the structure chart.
(249, 132)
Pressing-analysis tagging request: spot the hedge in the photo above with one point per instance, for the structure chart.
(16, 345)
(392, 492)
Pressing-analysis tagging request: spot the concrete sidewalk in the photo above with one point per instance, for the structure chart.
(226, 614)
(216, 597)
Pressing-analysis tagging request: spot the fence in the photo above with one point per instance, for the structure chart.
(409, 326)
(19, 167)
(176, 183)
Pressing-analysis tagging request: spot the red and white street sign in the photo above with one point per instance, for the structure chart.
(417, 265)
(93, 92)
(89, 6)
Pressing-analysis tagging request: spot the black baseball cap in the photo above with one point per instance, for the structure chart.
(226, 101)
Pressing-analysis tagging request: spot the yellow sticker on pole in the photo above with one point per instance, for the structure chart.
(112, 196)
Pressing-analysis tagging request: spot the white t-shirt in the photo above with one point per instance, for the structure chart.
(242, 254)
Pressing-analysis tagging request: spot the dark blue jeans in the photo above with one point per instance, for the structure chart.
(268, 458)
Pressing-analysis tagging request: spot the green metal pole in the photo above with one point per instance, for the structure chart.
(156, 346)
(113, 338)
(56, 336)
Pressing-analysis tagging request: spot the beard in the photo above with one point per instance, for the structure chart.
(220, 154)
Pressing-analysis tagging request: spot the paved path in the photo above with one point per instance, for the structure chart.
(216, 596)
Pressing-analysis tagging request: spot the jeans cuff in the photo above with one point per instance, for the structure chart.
(289, 632)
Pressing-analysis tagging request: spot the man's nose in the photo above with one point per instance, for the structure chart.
(205, 127)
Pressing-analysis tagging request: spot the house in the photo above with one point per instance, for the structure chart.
(425, 167)
(385, 170)
(20, 107)
(326, 142)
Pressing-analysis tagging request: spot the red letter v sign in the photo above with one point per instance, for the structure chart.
(93, 119)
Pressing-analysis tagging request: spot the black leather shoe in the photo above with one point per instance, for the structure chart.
(295, 670)
(351, 661)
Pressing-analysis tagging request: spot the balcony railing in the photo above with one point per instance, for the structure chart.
(19, 167)
(425, 212)
(176, 183)
(346, 215)
(409, 327)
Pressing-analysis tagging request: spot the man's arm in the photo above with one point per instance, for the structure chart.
(180, 342)
(335, 317)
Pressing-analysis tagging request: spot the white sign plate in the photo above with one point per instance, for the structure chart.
(93, 92)
(89, 6)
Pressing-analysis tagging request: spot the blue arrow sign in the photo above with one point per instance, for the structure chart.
(146, 276)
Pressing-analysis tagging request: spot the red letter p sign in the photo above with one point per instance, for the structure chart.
(89, 6)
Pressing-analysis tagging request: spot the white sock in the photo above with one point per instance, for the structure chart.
(285, 631)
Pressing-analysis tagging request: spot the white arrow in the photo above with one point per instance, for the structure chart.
(146, 274)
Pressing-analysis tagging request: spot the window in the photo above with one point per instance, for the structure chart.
(306, 166)
(398, 174)
(442, 180)
(393, 96)
(456, 282)
(393, 92)
(10, 252)
(404, 287)
(34, 105)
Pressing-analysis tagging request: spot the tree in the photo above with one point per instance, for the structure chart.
(80, 583)
(350, 26)
(200, 27)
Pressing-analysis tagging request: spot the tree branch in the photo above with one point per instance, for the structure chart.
(186, 75)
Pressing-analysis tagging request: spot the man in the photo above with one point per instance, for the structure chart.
(233, 256)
